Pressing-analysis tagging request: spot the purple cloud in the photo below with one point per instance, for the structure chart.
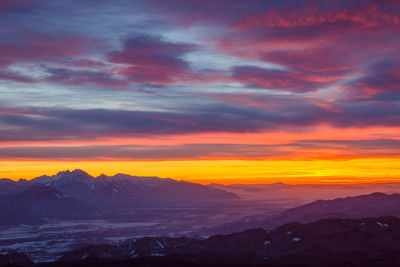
(151, 59)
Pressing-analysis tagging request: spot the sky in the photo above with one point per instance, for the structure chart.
(221, 91)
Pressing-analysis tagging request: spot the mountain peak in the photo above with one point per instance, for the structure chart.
(75, 175)
(74, 172)
(65, 176)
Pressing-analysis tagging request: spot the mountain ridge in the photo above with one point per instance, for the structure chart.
(376, 204)
(326, 242)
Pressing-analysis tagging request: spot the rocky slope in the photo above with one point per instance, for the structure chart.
(327, 242)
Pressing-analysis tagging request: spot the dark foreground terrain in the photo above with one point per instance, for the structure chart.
(327, 242)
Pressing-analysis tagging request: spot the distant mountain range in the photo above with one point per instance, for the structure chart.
(76, 194)
(70, 194)
(371, 205)
(292, 195)
(327, 242)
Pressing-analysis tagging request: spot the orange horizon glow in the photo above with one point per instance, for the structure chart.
(295, 165)
(370, 170)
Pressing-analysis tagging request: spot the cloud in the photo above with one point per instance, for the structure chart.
(310, 149)
(84, 77)
(18, 5)
(286, 80)
(381, 80)
(152, 59)
(64, 124)
(29, 47)
(192, 151)
(364, 16)
(15, 77)
(326, 60)
(24, 51)
(285, 113)
(324, 42)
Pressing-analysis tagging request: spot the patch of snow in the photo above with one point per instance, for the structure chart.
(382, 224)
(157, 254)
(23, 245)
(296, 239)
(267, 242)
(159, 244)
(289, 233)
(115, 239)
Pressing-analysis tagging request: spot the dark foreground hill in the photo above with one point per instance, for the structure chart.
(327, 242)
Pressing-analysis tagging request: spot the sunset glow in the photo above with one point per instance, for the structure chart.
(205, 91)
(225, 171)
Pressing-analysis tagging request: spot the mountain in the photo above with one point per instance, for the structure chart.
(123, 191)
(300, 194)
(372, 205)
(10, 187)
(327, 242)
(38, 202)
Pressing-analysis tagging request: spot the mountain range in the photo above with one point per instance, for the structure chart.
(300, 194)
(70, 194)
(76, 194)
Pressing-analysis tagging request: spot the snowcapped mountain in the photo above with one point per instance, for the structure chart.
(122, 191)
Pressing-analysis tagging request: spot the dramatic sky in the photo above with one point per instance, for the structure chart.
(209, 91)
